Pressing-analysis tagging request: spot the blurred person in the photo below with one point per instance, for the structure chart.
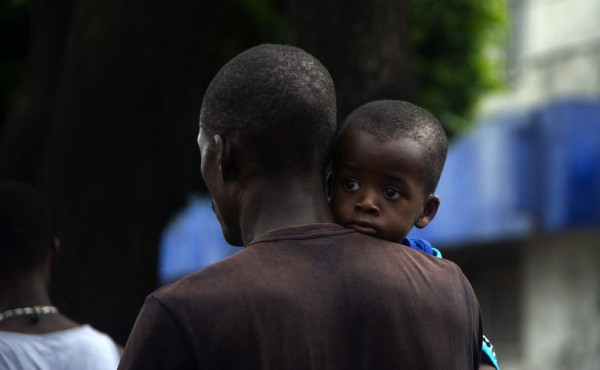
(386, 166)
(33, 333)
(304, 293)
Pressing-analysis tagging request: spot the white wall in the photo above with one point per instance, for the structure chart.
(561, 302)
(554, 52)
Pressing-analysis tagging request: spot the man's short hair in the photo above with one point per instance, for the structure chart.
(281, 100)
(388, 120)
(26, 230)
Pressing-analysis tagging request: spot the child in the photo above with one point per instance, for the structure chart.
(386, 166)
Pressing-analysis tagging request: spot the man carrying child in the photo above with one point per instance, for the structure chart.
(305, 293)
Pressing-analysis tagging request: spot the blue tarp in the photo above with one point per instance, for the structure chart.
(192, 240)
(521, 173)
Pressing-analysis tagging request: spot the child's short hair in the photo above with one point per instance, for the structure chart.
(281, 99)
(26, 229)
(392, 119)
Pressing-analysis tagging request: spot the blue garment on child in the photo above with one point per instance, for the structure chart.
(489, 355)
(422, 246)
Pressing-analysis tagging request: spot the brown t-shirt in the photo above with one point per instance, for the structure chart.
(312, 297)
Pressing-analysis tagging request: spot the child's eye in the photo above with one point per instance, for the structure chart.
(391, 193)
(351, 185)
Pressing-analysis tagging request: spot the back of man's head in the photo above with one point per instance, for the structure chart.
(26, 232)
(281, 101)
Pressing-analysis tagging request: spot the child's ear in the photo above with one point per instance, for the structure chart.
(225, 156)
(432, 203)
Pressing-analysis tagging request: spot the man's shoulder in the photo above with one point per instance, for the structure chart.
(443, 270)
(400, 263)
(410, 257)
(221, 271)
(297, 255)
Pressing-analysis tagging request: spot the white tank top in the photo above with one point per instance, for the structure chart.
(81, 348)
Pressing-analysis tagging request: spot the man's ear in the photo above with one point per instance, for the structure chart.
(432, 203)
(329, 186)
(225, 156)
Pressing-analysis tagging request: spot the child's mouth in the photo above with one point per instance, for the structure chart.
(363, 227)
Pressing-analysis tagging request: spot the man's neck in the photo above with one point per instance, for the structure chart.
(24, 290)
(282, 203)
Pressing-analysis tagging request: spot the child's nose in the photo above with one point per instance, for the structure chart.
(368, 204)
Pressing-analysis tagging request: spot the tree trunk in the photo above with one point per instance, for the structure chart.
(364, 44)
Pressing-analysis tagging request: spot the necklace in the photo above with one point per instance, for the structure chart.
(34, 312)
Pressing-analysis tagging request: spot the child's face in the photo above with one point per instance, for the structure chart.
(378, 188)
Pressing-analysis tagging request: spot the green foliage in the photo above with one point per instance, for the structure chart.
(453, 43)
